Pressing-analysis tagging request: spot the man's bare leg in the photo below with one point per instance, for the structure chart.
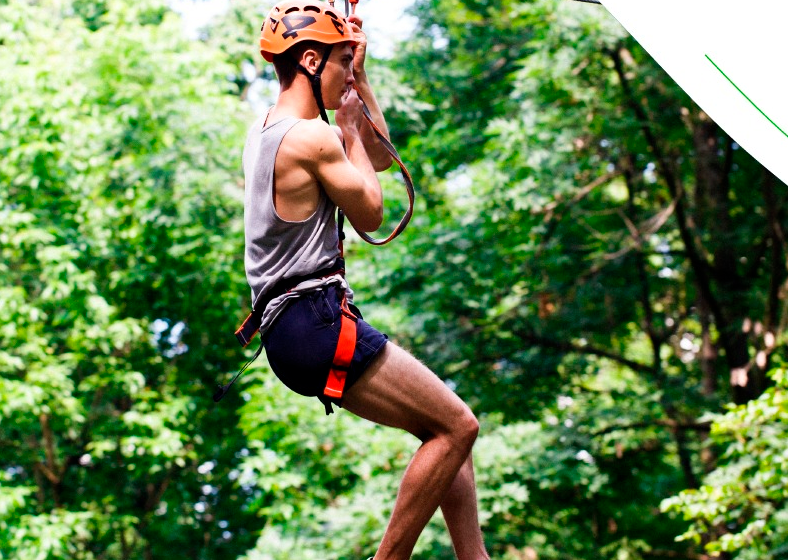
(397, 390)
(460, 511)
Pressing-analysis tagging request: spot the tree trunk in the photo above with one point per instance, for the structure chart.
(713, 191)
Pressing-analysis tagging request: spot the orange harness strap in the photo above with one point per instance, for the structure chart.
(346, 347)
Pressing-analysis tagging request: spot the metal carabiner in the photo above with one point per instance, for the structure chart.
(348, 3)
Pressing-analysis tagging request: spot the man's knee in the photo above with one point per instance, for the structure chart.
(466, 428)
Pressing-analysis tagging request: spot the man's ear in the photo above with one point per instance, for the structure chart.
(310, 60)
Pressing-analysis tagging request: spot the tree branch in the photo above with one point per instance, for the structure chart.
(43, 469)
(668, 423)
(586, 349)
(50, 470)
(777, 258)
(683, 555)
(549, 209)
(699, 265)
(643, 231)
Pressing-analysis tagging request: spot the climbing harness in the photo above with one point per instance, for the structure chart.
(296, 17)
(251, 325)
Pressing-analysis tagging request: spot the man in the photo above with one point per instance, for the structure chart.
(298, 170)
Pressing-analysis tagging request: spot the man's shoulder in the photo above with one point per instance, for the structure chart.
(312, 129)
(313, 136)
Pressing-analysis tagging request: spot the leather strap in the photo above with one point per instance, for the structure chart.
(405, 176)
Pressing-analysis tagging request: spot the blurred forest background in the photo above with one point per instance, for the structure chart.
(594, 265)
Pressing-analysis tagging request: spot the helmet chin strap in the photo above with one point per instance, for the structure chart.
(316, 81)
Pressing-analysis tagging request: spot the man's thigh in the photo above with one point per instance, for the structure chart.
(399, 391)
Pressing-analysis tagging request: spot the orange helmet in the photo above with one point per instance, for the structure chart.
(293, 21)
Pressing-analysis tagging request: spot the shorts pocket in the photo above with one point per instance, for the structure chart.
(325, 305)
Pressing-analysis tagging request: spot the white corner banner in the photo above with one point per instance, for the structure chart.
(730, 56)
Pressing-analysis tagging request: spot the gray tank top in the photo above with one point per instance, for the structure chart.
(277, 249)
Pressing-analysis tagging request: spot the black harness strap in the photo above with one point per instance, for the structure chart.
(316, 81)
(251, 324)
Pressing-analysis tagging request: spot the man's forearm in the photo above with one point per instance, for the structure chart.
(357, 155)
(378, 155)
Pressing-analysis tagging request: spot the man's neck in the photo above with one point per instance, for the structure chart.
(297, 101)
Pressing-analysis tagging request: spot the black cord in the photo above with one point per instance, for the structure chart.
(589, 1)
(221, 390)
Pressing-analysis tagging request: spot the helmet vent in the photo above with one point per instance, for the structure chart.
(311, 9)
(331, 14)
(293, 9)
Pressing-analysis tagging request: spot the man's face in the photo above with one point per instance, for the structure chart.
(337, 76)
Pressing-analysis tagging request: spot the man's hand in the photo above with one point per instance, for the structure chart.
(360, 52)
(350, 116)
(378, 155)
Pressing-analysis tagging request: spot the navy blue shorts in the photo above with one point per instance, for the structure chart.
(301, 343)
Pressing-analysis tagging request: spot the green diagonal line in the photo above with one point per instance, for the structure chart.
(747, 98)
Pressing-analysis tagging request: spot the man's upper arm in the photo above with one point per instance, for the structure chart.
(324, 158)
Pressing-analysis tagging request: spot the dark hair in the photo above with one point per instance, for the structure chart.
(286, 63)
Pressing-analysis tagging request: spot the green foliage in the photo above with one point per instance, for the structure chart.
(742, 506)
(327, 484)
(590, 260)
(236, 33)
(319, 480)
(120, 217)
